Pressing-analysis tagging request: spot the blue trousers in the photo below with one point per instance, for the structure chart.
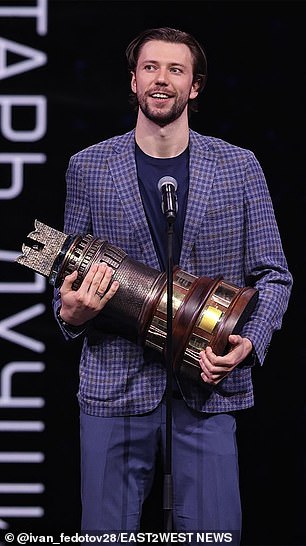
(118, 456)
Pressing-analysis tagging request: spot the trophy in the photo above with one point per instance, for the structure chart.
(205, 311)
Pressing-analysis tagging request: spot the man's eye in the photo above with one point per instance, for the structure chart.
(149, 67)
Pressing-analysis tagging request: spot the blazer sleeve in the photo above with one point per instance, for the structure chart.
(77, 220)
(265, 263)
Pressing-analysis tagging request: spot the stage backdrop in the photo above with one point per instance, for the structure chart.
(64, 86)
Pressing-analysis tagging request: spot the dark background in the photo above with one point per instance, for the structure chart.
(254, 98)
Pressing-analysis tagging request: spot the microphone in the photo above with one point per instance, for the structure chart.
(167, 185)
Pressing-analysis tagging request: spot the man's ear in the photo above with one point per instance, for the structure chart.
(133, 82)
(194, 90)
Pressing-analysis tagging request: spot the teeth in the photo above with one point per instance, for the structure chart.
(159, 96)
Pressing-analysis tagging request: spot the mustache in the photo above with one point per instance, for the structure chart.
(161, 89)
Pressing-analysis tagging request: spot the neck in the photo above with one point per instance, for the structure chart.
(156, 141)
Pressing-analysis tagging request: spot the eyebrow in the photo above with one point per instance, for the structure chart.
(172, 63)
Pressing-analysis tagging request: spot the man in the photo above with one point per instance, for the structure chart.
(225, 226)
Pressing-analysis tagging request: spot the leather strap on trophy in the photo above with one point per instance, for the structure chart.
(205, 311)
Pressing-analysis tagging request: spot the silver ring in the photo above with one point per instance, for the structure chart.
(99, 294)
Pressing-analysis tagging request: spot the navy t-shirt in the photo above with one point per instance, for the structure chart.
(150, 170)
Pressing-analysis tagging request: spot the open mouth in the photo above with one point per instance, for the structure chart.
(160, 96)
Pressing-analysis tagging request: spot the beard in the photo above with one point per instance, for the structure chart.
(162, 117)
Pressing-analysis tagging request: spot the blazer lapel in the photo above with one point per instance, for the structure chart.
(202, 166)
(124, 174)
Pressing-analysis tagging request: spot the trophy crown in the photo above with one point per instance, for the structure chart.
(44, 245)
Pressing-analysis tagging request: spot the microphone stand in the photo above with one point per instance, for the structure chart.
(168, 185)
(168, 485)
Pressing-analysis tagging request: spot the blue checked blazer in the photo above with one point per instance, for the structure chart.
(230, 230)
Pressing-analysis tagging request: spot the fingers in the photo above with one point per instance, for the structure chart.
(108, 294)
(102, 286)
(234, 339)
(101, 280)
(97, 286)
(214, 368)
(97, 279)
(68, 282)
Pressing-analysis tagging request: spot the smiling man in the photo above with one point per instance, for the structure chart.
(163, 83)
(225, 226)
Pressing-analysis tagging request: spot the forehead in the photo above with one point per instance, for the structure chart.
(165, 52)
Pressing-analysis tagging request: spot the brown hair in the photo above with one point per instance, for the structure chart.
(171, 35)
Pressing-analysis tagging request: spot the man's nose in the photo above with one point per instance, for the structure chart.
(162, 76)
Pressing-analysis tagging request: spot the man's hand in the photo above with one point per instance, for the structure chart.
(215, 368)
(79, 306)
